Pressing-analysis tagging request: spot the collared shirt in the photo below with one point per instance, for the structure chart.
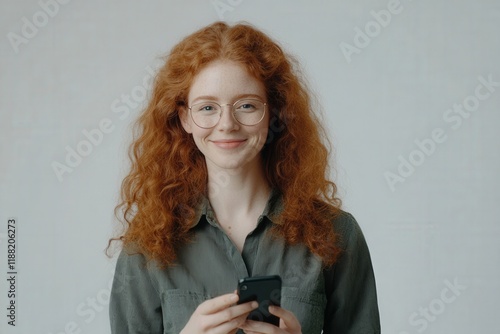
(340, 299)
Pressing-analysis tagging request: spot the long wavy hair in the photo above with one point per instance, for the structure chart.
(168, 173)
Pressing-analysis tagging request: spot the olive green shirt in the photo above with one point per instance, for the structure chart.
(338, 300)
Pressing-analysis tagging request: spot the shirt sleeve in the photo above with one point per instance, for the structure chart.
(350, 284)
(135, 305)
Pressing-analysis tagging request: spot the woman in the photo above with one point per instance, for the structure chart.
(229, 179)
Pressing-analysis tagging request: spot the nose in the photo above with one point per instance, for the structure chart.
(227, 122)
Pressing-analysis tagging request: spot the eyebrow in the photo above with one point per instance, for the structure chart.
(236, 98)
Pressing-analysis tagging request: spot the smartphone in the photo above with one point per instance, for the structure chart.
(266, 290)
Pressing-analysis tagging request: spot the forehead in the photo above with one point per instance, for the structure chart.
(224, 81)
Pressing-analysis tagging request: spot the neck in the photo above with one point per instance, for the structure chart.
(235, 193)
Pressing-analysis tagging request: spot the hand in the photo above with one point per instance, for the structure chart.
(219, 315)
(288, 324)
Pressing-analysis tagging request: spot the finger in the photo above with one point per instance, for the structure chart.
(288, 318)
(218, 303)
(233, 312)
(250, 332)
(229, 318)
(251, 326)
(232, 325)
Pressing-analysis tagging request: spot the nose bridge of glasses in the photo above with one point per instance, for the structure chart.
(231, 108)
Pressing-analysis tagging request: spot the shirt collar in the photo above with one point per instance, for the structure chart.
(272, 211)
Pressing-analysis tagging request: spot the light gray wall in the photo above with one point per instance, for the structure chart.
(431, 225)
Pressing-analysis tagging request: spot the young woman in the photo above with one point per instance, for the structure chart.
(229, 179)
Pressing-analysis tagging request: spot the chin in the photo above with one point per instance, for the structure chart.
(225, 163)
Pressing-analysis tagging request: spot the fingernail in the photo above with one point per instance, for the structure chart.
(234, 298)
(255, 304)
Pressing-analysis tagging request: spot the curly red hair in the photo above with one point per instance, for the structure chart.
(168, 174)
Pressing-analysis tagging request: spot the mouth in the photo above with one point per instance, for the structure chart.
(228, 143)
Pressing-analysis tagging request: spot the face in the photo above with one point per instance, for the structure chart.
(229, 144)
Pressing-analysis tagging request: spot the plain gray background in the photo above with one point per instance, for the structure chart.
(435, 226)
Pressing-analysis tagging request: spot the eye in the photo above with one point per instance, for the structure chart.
(246, 107)
(205, 108)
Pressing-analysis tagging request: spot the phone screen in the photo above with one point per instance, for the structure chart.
(266, 290)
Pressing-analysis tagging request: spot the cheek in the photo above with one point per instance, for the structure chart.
(199, 133)
(198, 136)
(260, 137)
(263, 132)
(198, 143)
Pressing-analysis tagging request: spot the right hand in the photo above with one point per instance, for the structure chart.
(219, 315)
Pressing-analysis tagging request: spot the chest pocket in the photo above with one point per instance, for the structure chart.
(178, 306)
(308, 307)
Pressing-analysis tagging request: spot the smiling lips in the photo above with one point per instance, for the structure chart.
(228, 143)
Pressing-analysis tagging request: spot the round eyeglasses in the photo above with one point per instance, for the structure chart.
(206, 115)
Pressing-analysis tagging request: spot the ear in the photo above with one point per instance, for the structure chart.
(185, 120)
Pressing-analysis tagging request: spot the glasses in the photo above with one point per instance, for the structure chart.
(206, 115)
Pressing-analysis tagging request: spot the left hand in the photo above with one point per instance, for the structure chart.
(288, 324)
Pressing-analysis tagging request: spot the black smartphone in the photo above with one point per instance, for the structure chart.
(266, 290)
